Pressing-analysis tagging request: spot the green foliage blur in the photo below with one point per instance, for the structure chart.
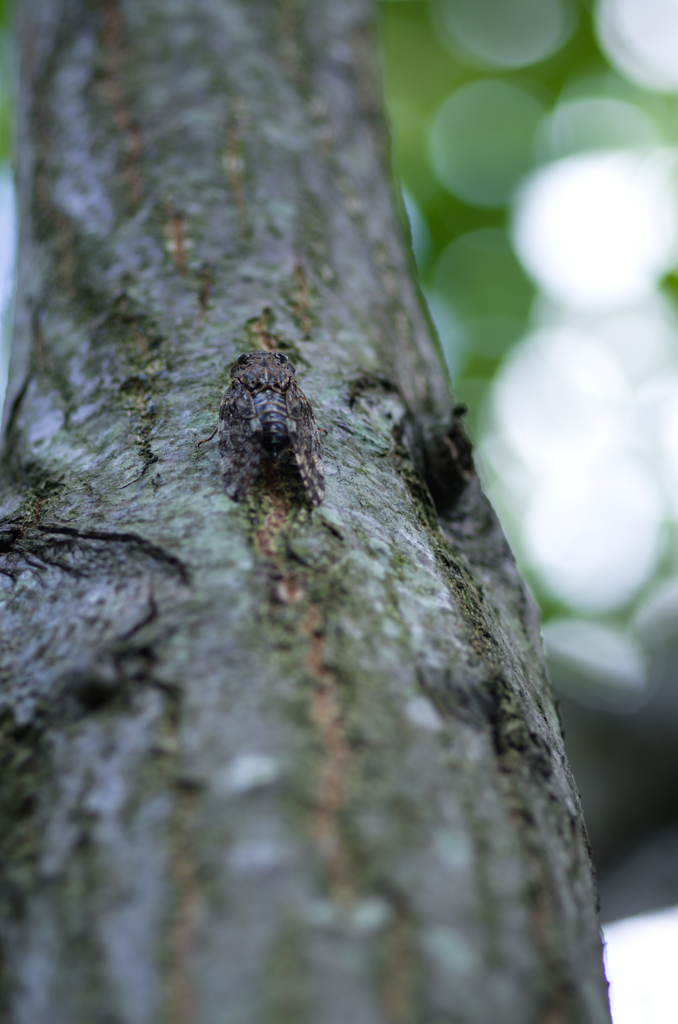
(466, 129)
(481, 94)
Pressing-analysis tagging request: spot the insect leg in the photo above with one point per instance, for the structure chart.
(206, 439)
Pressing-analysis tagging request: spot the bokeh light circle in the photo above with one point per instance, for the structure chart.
(596, 663)
(640, 38)
(598, 229)
(596, 123)
(502, 33)
(594, 538)
(481, 140)
(570, 446)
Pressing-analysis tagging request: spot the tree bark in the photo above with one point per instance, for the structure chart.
(260, 763)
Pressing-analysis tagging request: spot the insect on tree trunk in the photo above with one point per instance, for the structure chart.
(261, 761)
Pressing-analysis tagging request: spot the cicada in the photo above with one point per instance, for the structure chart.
(265, 413)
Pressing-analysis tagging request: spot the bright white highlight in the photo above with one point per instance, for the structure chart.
(657, 617)
(598, 229)
(570, 446)
(640, 960)
(640, 37)
(596, 664)
(594, 535)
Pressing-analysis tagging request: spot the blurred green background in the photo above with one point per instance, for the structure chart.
(535, 142)
(464, 136)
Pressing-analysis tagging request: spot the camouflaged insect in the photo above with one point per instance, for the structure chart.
(265, 412)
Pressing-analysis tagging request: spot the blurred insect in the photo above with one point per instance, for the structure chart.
(265, 412)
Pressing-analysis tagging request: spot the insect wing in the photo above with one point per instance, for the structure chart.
(305, 443)
(240, 434)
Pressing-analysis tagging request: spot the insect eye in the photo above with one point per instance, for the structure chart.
(282, 357)
(240, 361)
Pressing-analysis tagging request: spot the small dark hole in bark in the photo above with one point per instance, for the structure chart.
(8, 539)
(94, 682)
(447, 460)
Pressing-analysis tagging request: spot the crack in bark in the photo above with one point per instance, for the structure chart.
(24, 777)
(117, 537)
(205, 292)
(525, 761)
(103, 675)
(435, 459)
(326, 715)
(357, 386)
(289, 46)
(401, 972)
(335, 768)
(301, 301)
(177, 243)
(10, 421)
(446, 456)
(138, 389)
(234, 168)
(180, 992)
(38, 342)
(8, 537)
(113, 89)
(260, 334)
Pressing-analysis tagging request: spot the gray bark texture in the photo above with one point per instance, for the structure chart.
(260, 763)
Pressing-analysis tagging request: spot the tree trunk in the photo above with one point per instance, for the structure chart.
(260, 762)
